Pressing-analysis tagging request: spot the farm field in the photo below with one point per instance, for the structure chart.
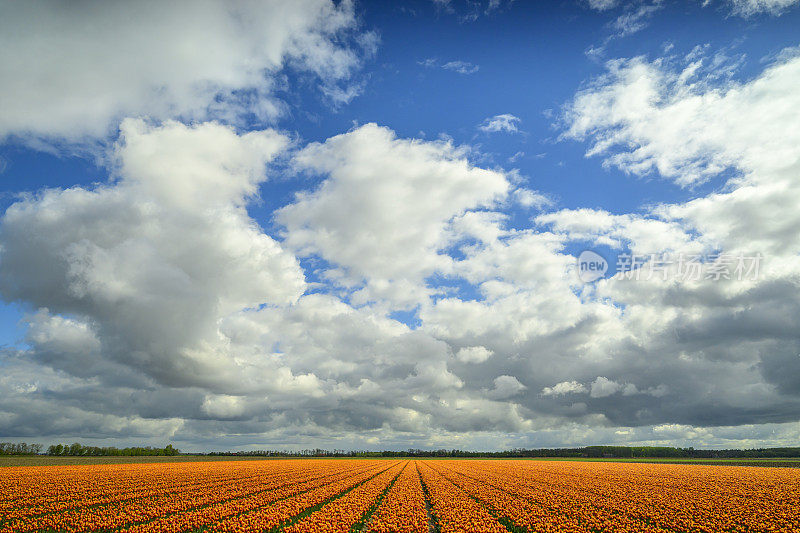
(398, 495)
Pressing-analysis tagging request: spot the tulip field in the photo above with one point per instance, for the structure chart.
(399, 495)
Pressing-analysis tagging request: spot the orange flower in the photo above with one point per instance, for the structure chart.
(391, 496)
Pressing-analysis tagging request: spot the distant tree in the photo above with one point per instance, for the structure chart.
(19, 448)
(77, 449)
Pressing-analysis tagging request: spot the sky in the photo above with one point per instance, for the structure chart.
(379, 225)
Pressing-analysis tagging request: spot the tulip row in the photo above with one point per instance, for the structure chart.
(454, 509)
(550, 511)
(75, 486)
(132, 488)
(340, 515)
(390, 496)
(231, 509)
(403, 509)
(283, 511)
(237, 495)
(555, 496)
(695, 498)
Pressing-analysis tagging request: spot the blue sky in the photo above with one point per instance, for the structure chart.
(385, 196)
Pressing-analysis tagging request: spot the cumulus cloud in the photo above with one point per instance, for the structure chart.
(139, 270)
(565, 387)
(223, 406)
(85, 67)
(386, 209)
(157, 306)
(158, 300)
(532, 199)
(602, 387)
(682, 124)
(505, 122)
(638, 233)
(730, 325)
(650, 339)
(506, 387)
(473, 354)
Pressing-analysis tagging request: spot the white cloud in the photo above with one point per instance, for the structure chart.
(158, 287)
(565, 387)
(461, 67)
(148, 263)
(385, 209)
(602, 5)
(516, 157)
(156, 297)
(647, 117)
(472, 10)
(155, 283)
(531, 199)
(473, 354)
(636, 18)
(749, 8)
(690, 124)
(505, 122)
(506, 387)
(603, 387)
(223, 406)
(743, 8)
(639, 233)
(83, 68)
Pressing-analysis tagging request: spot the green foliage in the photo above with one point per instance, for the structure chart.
(19, 448)
(586, 451)
(598, 452)
(76, 450)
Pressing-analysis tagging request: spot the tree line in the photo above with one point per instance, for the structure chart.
(77, 449)
(586, 451)
(19, 448)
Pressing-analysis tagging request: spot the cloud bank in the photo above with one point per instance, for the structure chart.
(84, 69)
(158, 307)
